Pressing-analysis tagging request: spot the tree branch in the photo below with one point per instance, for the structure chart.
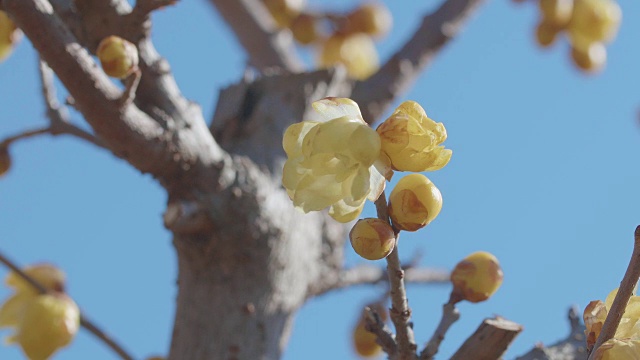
(58, 116)
(255, 29)
(376, 94)
(400, 312)
(572, 347)
(87, 324)
(490, 341)
(628, 283)
(449, 316)
(371, 275)
(374, 324)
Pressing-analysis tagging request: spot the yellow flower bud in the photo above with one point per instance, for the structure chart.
(284, 11)
(594, 315)
(364, 342)
(305, 29)
(476, 277)
(412, 141)
(5, 160)
(119, 58)
(48, 323)
(9, 35)
(618, 349)
(591, 59)
(414, 202)
(546, 34)
(593, 21)
(356, 52)
(373, 19)
(556, 12)
(372, 238)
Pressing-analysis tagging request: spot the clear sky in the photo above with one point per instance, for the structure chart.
(544, 175)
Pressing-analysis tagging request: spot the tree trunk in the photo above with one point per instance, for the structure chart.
(247, 260)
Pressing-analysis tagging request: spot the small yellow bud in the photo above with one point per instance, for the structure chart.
(9, 35)
(594, 315)
(356, 52)
(592, 59)
(364, 341)
(48, 323)
(119, 58)
(284, 11)
(5, 160)
(372, 238)
(546, 33)
(412, 141)
(476, 277)
(373, 19)
(618, 349)
(305, 29)
(556, 12)
(414, 202)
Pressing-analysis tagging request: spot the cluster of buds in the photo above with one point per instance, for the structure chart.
(346, 39)
(118, 57)
(43, 323)
(625, 343)
(476, 278)
(336, 160)
(589, 24)
(9, 35)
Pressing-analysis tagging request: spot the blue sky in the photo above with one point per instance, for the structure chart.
(544, 175)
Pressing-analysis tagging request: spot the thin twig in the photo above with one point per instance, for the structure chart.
(450, 315)
(57, 114)
(87, 324)
(374, 324)
(400, 311)
(24, 135)
(625, 291)
(131, 85)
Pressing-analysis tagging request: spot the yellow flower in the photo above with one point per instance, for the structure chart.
(47, 323)
(43, 323)
(593, 21)
(412, 141)
(333, 161)
(627, 337)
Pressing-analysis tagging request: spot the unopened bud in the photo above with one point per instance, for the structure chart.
(476, 278)
(119, 58)
(414, 202)
(372, 238)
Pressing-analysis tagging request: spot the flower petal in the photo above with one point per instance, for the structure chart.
(331, 108)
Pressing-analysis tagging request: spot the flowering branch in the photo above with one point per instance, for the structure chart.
(625, 291)
(400, 312)
(450, 315)
(86, 323)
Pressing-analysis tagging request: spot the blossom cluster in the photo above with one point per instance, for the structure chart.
(589, 24)
(346, 39)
